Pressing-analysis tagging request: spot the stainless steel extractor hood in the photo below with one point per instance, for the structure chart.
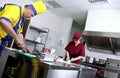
(104, 42)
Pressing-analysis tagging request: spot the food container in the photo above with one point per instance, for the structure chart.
(89, 59)
(47, 57)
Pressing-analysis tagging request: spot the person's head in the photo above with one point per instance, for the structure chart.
(34, 9)
(28, 13)
(76, 37)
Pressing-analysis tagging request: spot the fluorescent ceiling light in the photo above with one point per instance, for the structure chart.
(111, 1)
(98, 1)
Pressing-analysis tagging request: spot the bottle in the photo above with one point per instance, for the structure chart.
(39, 39)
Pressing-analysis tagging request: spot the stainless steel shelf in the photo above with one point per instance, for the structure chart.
(38, 29)
(42, 31)
(35, 41)
(112, 69)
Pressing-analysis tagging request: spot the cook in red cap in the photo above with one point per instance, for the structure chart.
(75, 50)
(76, 36)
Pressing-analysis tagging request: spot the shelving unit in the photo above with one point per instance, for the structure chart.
(41, 31)
(35, 41)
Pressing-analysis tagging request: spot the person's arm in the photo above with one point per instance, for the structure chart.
(81, 55)
(76, 58)
(67, 56)
(9, 29)
(24, 48)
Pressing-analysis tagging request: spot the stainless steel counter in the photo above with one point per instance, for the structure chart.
(4, 57)
(65, 70)
(53, 69)
(112, 69)
(109, 71)
(60, 65)
(57, 70)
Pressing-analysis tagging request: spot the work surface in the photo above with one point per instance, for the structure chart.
(47, 69)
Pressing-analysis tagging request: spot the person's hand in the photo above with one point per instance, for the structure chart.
(20, 41)
(25, 49)
(72, 59)
(67, 59)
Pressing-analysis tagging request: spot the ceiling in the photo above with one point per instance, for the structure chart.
(78, 9)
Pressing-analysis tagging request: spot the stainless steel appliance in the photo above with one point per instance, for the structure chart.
(52, 69)
(89, 59)
(113, 68)
(104, 42)
(8, 57)
(65, 70)
(11, 61)
(87, 72)
(57, 70)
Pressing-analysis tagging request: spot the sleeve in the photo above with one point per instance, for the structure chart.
(9, 14)
(82, 53)
(67, 48)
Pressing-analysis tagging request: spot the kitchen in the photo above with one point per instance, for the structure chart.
(58, 27)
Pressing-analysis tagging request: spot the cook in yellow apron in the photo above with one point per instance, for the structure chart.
(12, 14)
